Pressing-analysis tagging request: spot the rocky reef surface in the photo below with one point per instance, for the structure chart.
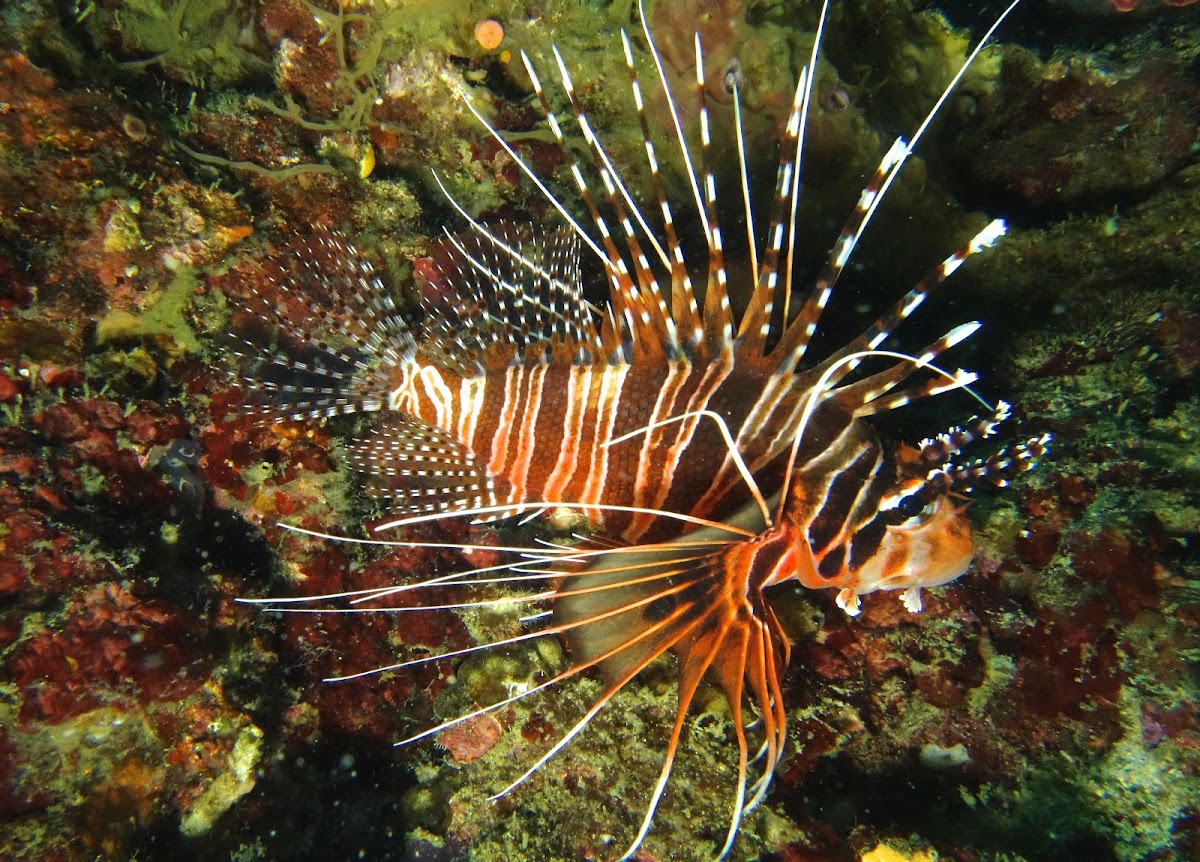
(157, 155)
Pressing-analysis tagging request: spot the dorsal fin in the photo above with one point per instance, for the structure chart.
(684, 309)
(505, 295)
(718, 316)
(878, 331)
(799, 332)
(635, 297)
(756, 320)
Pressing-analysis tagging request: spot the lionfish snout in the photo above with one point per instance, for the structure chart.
(928, 549)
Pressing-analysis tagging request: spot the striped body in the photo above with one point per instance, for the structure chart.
(543, 434)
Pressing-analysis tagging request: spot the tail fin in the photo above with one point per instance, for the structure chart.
(325, 337)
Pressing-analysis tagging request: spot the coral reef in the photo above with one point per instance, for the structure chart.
(1137, 129)
(154, 155)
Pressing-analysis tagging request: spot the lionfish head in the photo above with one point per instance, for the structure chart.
(874, 520)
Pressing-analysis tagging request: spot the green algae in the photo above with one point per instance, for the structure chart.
(280, 174)
(137, 345)
(166, 315)
(1140, 791)
(201, 42)
(1128, 800)
(999, 673)
(607, 774)
(227, 787)
(106, 758)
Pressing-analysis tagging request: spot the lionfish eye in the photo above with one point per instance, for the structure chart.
(913, 507)
(733, 75)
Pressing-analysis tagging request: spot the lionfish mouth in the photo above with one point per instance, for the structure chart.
(713, 462)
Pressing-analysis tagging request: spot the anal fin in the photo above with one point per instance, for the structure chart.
(423, 469)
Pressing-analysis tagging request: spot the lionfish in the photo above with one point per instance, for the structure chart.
(713, 463)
